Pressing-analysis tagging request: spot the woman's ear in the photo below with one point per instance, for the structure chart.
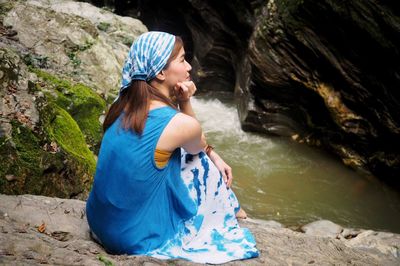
(161, 76)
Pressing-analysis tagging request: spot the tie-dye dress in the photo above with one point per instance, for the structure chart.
(181, 211)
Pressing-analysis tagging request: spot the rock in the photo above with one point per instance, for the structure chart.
(80, 101)
(263, 223)
(66, 240)
(70, 41)
(31, 122)
(348, 233)
(323, 228)
(382, 241)
(322, 83)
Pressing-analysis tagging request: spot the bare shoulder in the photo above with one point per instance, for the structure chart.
(185, 121)
(181, 129)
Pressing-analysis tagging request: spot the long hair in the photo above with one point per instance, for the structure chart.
(135, 100)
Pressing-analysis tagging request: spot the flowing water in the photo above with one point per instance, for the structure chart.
(277, 179)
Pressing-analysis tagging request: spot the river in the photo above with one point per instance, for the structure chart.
(278, 179)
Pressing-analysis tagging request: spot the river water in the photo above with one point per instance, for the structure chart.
(278, 179)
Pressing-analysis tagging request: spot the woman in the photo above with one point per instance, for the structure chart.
(158, 188)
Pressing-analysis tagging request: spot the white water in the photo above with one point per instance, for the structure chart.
(275, 178)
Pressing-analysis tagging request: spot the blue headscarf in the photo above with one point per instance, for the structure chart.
(147, 57)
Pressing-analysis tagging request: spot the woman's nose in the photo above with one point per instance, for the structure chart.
(188, 66)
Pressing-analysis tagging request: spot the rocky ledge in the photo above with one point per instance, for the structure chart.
(43, 230)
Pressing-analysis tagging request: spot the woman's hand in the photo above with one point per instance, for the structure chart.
(184, 90)
(223, 167)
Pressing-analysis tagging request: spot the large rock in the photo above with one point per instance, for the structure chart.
(76, 39)
(327, 74)
(322, 228)
(37, 230)
(54, 84)
(42, 148)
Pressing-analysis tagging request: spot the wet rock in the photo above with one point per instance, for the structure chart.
(66, 240)
(323, 228)
(321, 82)
(349, 233)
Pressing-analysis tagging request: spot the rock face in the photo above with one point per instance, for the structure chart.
(325, 74)
(41, 230)
(42, 148)
(54, 86)
(75, 39)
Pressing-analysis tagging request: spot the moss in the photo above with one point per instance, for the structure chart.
(8, 66)
(5, 8)
(74, 50)
(127, 41)
(65, 173)
(105, 260)
(74, 59)
(103, 26)
(84, 105)
(52, 158)
(71, 167)
(21, 157)
(68, 135)
(40, 61)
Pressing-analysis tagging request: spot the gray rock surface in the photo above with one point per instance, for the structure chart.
(76, 39)
(42, 230)
(322, 228)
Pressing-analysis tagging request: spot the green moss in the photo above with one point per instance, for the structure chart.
(68, 135)
(33, 60)
(73, 52)
(74, 59)
(21, 157)
(84, 105)
(5, 8)
(53, 158)
(64, 173)
(127, 41)
(105, 260)
(103, 26)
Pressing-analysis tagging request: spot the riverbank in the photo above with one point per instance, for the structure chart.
(44, 230)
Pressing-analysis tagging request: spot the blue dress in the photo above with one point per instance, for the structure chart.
(183, 210)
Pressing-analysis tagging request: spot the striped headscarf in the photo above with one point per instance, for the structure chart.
(147, 56)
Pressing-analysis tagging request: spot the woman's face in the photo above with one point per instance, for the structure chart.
(178, 70)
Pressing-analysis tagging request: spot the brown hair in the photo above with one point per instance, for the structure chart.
(135, 100)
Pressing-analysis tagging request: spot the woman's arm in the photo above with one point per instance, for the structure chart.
(184, 91)
(223, 167)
